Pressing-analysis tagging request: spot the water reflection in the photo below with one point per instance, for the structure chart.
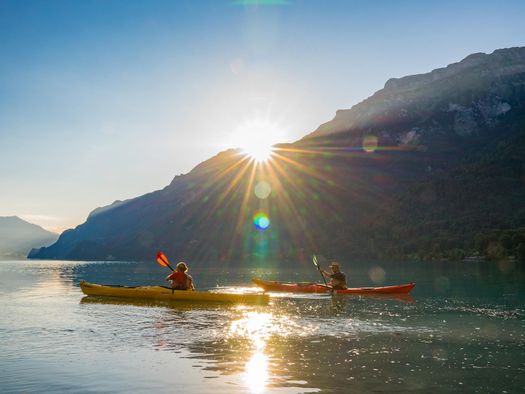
(256, 372)
(338, 303)
(256, 328)
(301, 344)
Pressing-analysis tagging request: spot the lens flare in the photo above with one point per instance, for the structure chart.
(261, 221)
(262, 190)
(377, 274)
(370, 143)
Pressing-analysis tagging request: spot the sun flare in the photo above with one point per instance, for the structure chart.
(256, 138)
(260, 152)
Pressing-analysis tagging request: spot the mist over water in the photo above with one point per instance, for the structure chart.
(464, 330)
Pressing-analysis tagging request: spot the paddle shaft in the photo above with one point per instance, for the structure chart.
(314, 259)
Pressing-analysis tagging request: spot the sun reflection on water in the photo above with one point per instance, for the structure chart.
(256, 372)
(257, 328)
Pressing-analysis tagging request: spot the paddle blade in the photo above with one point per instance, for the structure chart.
(162, 259)
(316, 263)
(314, 259)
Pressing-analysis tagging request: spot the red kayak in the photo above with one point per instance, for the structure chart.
(268, 285)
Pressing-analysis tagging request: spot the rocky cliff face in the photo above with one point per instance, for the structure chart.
(463, 99)
(428, 167)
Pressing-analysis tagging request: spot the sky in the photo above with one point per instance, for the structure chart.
(108, 100)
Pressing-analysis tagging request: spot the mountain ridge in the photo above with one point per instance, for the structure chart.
(349, 188)
(18, 237)
(485, 65)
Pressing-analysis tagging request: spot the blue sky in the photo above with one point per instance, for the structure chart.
(106, 100)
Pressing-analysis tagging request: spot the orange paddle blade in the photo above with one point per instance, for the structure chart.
(162, 259)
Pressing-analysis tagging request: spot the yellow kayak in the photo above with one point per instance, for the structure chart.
(167, 294)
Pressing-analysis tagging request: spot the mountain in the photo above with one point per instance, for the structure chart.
(18, 237)
(432, 166)
(472, 93)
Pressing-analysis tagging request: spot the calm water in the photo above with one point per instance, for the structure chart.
(464, 331)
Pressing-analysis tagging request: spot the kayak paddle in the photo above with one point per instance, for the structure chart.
(163, 260)
(316, 263)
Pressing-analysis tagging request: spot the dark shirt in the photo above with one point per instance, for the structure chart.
(338, 280)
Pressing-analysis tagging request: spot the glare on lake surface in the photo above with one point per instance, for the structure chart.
(463, 331)
(256, 374)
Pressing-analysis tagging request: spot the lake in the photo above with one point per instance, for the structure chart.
(463, 331)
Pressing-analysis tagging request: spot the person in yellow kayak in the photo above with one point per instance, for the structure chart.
(337, 278)
(180, 280)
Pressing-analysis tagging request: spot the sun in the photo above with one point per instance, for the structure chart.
(259, 152)
(256, 138)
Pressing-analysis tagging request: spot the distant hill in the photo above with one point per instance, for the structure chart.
(430, 167)
(18, 237)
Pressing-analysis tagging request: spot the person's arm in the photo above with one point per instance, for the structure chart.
(326, 274)
(170, 276)
(190, 279)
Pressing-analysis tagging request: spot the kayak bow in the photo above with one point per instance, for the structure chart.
(167, 294)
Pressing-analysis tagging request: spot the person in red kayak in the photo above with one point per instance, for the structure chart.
(180, 280)
(337, 278)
